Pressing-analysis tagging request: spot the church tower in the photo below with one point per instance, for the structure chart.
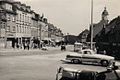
(105, 15)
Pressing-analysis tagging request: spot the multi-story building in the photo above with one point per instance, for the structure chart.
(16, 28)
(83, 36)
(55, 34)
(8, 29)
(23, 22)
(44, 29)
(18, 24)
(34, 26)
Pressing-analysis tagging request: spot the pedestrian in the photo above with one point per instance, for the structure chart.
(28, 45)
(17, 45)
(24, 46)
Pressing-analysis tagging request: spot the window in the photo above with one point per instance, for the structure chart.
(13, 29)
(87, 52)
(13, 19)
(20, 18)
(8, 28)
(17, 17)
(20, 29)
(25, 19)
(17, 28)
(8, 18)
(3, 25)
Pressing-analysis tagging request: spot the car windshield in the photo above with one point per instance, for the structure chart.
(87, 52)
(113, 75)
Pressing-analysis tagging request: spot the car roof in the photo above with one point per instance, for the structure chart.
(87, 50)
(76, 43)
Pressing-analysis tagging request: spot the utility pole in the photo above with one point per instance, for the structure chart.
(5, 35)
(91, 40)
(40, 27)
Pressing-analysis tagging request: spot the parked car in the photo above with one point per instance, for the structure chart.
(88, 55)
(78, 46)
(111, 73)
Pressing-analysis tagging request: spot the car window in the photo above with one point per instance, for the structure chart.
(87, 52)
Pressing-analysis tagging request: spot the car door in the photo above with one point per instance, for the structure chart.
(88, 56)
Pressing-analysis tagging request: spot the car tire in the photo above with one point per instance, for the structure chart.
(75, 61)
(104, 63)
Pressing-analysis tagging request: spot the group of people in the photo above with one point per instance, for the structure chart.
(27, 44)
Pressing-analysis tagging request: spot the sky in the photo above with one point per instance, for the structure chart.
(73, 16)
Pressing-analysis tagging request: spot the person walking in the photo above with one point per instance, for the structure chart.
(28, 45)
(24, 45)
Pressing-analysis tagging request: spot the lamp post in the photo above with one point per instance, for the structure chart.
(91, 39)
(40, 27)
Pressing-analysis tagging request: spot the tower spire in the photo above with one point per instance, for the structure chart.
(105, 14)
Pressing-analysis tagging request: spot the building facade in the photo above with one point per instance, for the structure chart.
(83, 36)
(97, 28)
(23, 23)
(8, 22)
(18, 24)
(54, 33)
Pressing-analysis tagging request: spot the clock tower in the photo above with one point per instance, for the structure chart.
(105, 15)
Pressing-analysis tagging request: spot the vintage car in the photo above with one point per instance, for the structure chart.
(111, 73)
(88, 55)
(78, 46)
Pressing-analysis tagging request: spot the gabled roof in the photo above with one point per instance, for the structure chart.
(113, 24)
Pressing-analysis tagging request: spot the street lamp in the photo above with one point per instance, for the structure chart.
(91, 40)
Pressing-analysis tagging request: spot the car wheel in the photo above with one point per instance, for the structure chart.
(75, 61)
(104, 63)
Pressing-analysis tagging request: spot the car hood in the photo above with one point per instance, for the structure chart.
(103, 56)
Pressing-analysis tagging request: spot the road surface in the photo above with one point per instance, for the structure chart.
(37, 67)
